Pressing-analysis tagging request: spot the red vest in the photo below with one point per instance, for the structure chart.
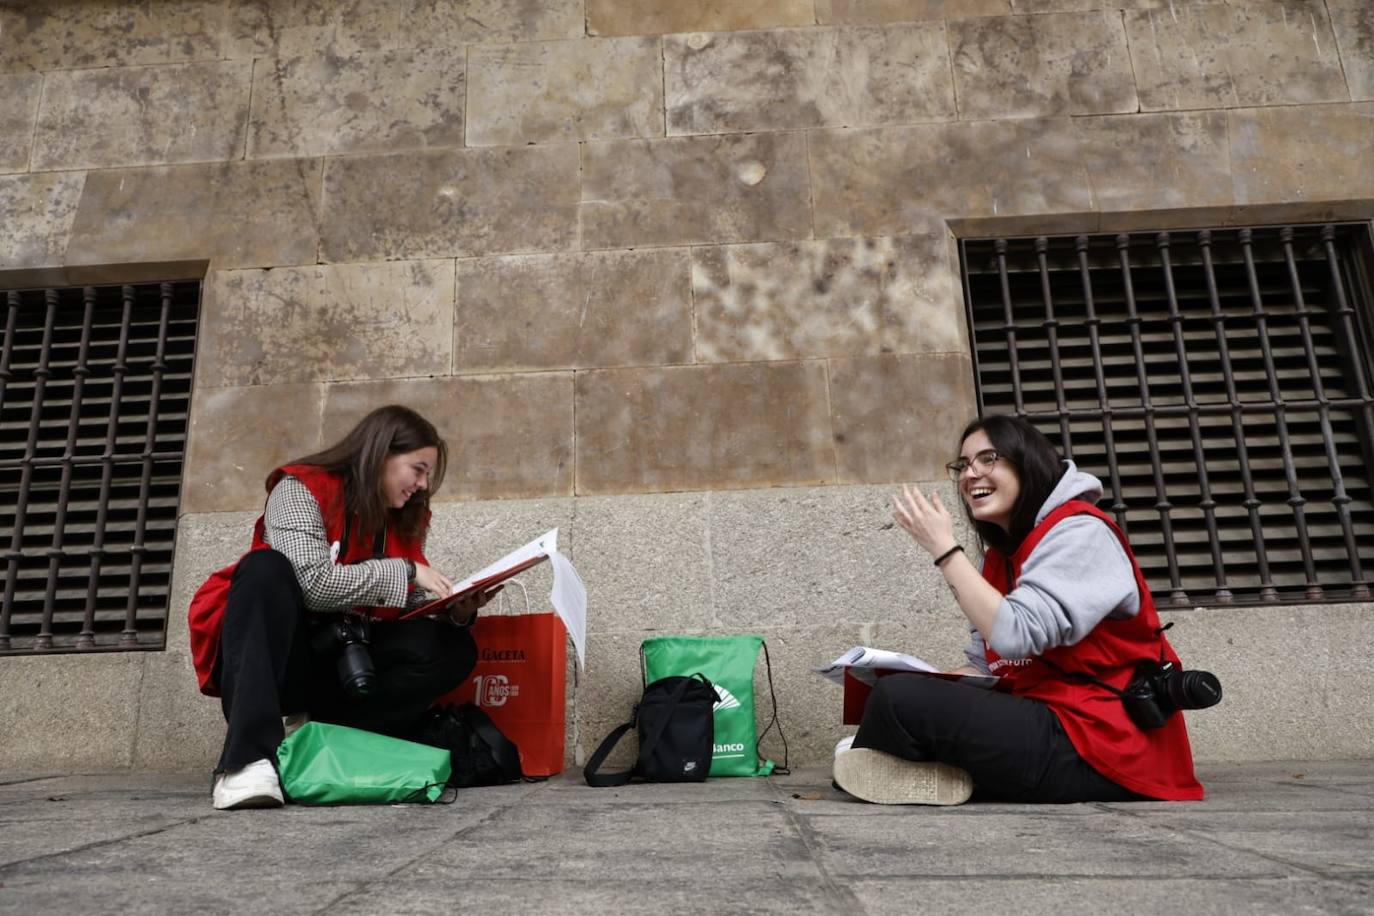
(206, 615)
(1158, 762)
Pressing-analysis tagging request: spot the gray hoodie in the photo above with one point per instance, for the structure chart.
(1076, 577)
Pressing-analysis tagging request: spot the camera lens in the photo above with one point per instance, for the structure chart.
(355, 669)
(1193, 689)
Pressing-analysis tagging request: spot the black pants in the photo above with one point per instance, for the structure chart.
(1013, 747)
(268, 668)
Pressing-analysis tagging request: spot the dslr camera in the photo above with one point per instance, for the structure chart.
(354, 635)
(1159, 689)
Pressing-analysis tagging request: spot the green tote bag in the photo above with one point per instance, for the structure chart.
(323, 764)
(728, 662)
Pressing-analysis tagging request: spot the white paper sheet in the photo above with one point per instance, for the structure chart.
(864, 663)
(865, 657)
(541, 546)
(569, 595)
(569, 598)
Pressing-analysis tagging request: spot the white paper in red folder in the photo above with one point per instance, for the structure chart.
(569, 595)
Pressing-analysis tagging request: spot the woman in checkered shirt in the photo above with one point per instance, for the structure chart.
(338, 548)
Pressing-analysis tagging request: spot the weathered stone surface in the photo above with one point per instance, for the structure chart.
(897, 417)
(509, 436)
(39, 210)
(41, 35)
(309, 324)
(702, 427)
(589, 89)
(1106, 846)
(286, 28)
(847, 562)
(248, 214)
(79, 709)
(895, 181)
(1067, 6)
(1175, 161)
(238, 435)
(807, 78)
(1224, 56)
(18, 108)
(652, 17)
(142, 115)
(880, 11)
(695, 190)
(840, 297)
(592, 310)
(1353, 23)
(450, 203)
(1260, 723)
(425, 23)
(647, 561)
(1274, 157)
(359, 103)
(1029, 66)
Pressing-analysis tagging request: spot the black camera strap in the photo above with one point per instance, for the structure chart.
(1081, 676)
(1084, 677)
(378, 542)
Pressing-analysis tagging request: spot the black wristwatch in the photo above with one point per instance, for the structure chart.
(410, 569)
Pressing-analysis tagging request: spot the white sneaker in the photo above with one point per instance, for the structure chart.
(887, 780)
(253, 786)
(843, 745)
(292, 723)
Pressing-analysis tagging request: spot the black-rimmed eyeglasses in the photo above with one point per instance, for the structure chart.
(982, 464)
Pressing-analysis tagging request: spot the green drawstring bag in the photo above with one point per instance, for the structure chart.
(728, 663)
(323, 764)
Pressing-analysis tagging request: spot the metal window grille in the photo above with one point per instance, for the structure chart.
(94, 388)
(1219, 382)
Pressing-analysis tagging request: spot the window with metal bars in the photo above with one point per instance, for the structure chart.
(1219, 382)
(95, 384)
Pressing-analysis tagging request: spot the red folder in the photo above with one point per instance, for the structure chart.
(441, 605)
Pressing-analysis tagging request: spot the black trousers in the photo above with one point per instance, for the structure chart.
(267, 666)
(1013, 747)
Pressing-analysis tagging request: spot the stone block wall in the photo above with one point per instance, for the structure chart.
(676, 275)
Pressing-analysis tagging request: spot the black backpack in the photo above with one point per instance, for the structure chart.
(481, 754)
(677, 729)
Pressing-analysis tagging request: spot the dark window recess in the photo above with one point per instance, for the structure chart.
(94, 388)
(1219, 382)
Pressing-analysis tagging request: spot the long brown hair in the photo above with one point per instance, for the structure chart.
(359, 458)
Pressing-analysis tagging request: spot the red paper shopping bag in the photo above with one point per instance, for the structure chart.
(519, 681)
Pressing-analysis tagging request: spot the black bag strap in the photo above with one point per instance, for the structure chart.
(783, 770)
(606, 780)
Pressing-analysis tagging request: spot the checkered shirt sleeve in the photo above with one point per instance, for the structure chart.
(294, 527)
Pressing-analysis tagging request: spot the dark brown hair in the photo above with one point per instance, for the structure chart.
(359, 458)
(1038, 469)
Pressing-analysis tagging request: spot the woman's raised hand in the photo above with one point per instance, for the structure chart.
(432, 581)
(926, 520)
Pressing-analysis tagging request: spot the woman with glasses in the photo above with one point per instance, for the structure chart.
(1060, 611)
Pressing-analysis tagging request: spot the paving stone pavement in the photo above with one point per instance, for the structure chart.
(1270, 838)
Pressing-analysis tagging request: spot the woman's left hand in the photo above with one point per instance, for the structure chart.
(926, 520)
(463, 611)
